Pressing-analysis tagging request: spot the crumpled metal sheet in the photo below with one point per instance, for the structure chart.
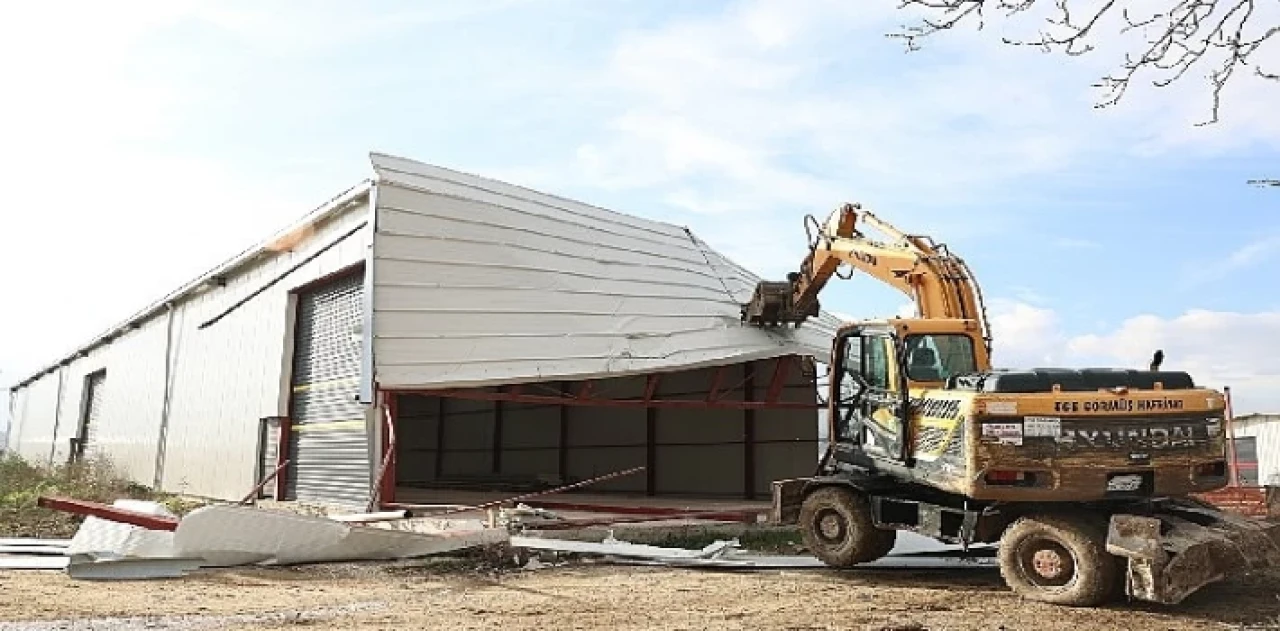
(231, 535)
(237, 535)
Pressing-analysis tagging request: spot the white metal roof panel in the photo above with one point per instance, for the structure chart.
(479, 282)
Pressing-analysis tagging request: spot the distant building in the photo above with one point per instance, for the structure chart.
(1257, 449)
(507, 336)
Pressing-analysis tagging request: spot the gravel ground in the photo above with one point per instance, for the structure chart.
(414, 596)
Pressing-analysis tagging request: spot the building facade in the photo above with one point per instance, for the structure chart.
(460, 329)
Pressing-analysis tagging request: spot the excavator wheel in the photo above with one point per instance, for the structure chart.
(1060, 559)
(836, 526)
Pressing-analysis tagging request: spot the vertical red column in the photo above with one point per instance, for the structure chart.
(1233, 465)
(387, 492)
(283, 454)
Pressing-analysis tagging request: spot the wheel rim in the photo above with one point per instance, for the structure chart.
(1047, 563)
(831, 527)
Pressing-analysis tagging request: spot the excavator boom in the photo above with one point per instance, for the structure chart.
(940, 283)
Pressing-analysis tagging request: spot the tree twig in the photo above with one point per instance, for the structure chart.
(1219, 34)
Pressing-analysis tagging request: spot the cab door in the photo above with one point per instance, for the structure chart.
(867, 398)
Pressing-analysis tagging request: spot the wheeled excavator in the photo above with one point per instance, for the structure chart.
(1084, 479)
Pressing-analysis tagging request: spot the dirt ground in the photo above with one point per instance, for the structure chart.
(410, 596)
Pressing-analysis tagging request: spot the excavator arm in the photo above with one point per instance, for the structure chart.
(940, 283)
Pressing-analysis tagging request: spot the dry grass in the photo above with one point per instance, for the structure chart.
(22, 483)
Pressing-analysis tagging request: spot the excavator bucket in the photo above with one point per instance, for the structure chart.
(1185, 545)
(771, 305)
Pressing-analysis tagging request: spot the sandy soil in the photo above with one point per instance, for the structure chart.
(596, 597)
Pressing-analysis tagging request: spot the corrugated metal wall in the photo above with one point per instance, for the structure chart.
(697, 451)
(330, 439)
(1265, 429)
(223, 379)
(35, 427)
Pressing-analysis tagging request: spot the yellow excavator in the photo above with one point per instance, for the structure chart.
(1084, 478)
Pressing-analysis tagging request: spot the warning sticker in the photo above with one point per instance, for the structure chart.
(1002, 407)
(1042, 426)
(1003, 433)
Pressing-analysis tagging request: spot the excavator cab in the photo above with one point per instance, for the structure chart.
(882, 365)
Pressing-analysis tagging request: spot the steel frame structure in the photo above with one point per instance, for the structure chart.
(588, 396)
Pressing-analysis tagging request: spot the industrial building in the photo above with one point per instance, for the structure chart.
(461, 330)
(1256, 449)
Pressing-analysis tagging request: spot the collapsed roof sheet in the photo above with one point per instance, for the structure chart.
(478, 282)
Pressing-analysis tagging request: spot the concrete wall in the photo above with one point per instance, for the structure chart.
(699, 451)
(222, 379)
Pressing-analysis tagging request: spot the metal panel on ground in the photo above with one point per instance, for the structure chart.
(329, 441)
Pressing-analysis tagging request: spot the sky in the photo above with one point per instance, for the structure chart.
(143, 142)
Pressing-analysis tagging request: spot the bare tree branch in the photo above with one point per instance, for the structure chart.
(1190, 33)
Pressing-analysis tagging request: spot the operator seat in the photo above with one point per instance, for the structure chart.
(924, 365)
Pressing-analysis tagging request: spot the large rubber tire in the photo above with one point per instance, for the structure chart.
(1060, 559)
(836, 526)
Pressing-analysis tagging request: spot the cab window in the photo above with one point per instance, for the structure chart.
(867, 356)
(939, 357)
(876, 362)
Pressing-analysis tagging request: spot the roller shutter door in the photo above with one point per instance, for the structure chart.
(329, 441)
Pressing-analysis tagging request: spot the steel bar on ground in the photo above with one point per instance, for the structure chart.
(641, 510)
(743, 517)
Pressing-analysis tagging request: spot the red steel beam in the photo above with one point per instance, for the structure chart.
(779, 381)
(387, 492)
(716, 379)
(283, 456)
(651, 386)
(538, 399)
(104, 511)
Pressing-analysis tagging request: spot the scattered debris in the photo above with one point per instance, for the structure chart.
(134, 539)
(33, 554)
(730, 554)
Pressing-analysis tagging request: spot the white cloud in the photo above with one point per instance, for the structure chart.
(765, 108)
(1218, 348)
(1024, 335)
